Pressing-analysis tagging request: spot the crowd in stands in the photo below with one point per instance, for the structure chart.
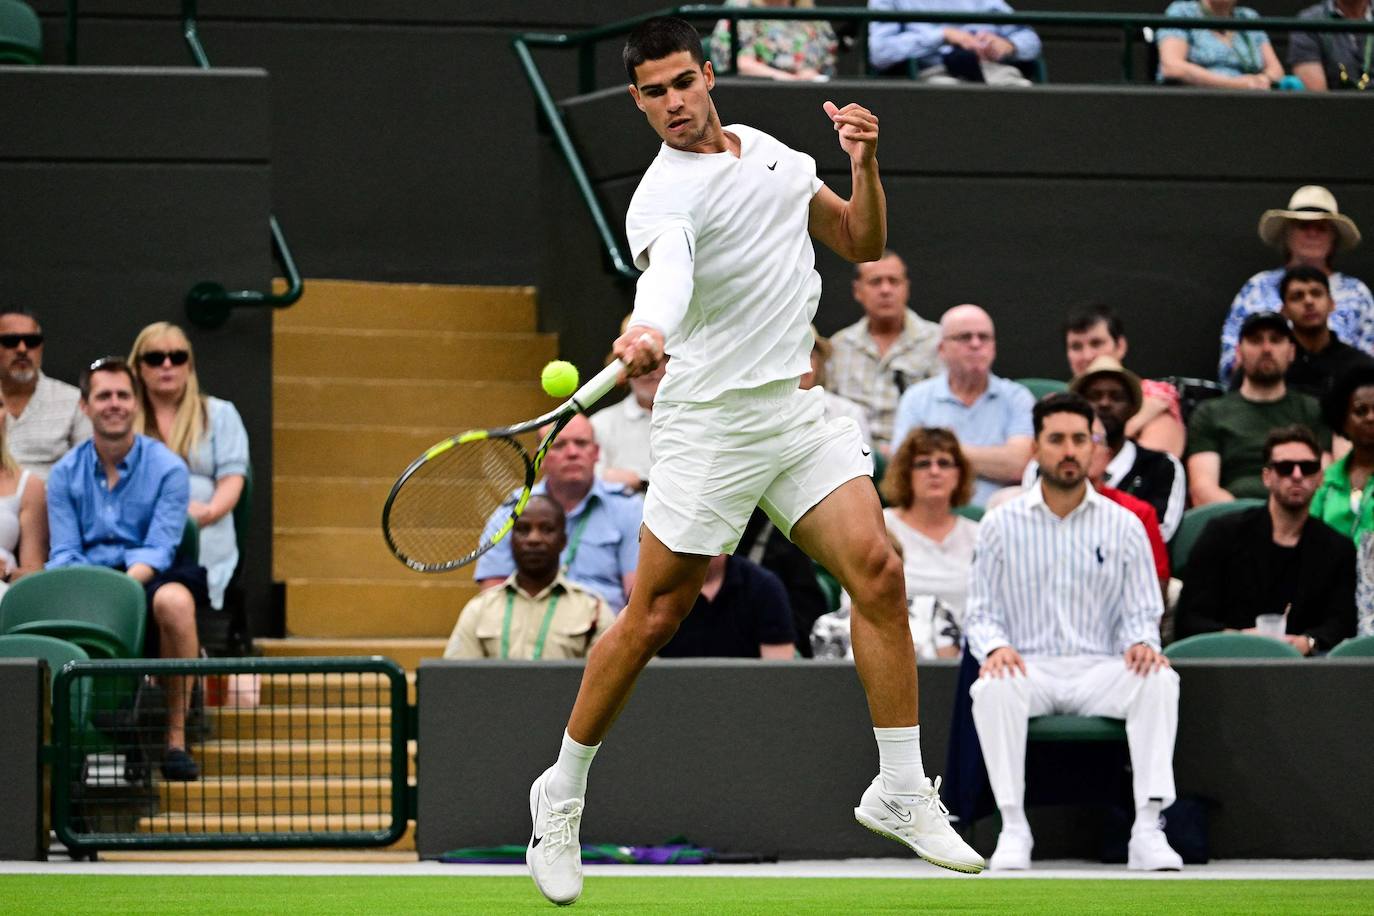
(114, 472)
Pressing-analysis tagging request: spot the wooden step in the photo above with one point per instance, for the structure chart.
(405, 652)
(181, 822)
(413, 306)
(335, 553)
(278, 759)
(310, 449)
(354, 608)
(266, 795)
(331, 689)
(300, 723)
(315, 502)
(351, 354)
(367, 404)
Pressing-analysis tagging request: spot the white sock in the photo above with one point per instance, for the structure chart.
(569, 776)
(899, 759)
(1014, 819)
(1147, 816)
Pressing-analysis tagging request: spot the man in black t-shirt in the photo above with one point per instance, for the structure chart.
(742, 612)
(1320, 355)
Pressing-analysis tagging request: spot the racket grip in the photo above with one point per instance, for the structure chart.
(596, 387)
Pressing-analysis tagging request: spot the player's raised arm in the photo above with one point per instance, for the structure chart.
(661, 298)
(855, 229)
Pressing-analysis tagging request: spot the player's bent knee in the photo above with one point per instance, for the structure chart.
(880, 586)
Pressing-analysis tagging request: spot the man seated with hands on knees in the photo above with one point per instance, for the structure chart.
(1063, 611)
(536, 612)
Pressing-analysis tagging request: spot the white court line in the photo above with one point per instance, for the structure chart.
(1244, 869)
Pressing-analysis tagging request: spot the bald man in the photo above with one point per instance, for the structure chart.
(990, 415)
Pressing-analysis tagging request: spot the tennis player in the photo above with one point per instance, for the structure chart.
(721, 225)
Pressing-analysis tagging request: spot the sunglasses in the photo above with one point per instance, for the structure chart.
(925, 464)
(1286, 468)
(158, 357)
(10, 341)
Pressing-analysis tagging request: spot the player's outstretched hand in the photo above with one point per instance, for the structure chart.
(858, 129)
(640, 348)
(1143, 659)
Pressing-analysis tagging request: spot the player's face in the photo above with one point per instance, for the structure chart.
(1307, 305)
(111, 405)
(1294, 489)
(1064, 449)
(538, 539)
(572, 456)
(674, 92)
(882, 288)
(1085, 346)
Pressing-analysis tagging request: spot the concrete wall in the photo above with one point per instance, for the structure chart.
(24, 834)
(771, 757)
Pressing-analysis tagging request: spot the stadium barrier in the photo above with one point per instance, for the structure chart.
(291, 751)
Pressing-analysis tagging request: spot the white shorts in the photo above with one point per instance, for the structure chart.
(769, 446)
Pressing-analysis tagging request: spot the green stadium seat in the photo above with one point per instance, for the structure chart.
(56, 652)
(1076, 728)
(1190, 529)
(1039, 387)
(21, 34)
(1230, 645)
(99, 609)
(1355, 647)
(188, 551)
(971, 512)
(830, 587)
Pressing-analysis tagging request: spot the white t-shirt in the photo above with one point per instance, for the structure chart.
(622, 432)
(936, 568)
(836, 406)
(755, 286)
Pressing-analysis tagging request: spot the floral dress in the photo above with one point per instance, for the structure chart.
(791, 45)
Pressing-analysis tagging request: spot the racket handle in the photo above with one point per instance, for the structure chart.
(596, 387)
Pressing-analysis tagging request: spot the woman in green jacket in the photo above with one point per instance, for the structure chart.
(1345, 500)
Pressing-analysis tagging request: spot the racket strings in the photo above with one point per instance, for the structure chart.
(441, 513)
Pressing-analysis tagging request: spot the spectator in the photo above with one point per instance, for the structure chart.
(990, 415)
(43, 418)
(1220, 58)
(536, 613)
(946, 53)
(1275, 558)
(1309, 233)
(206, 432)
(780, 49)
(1157, 478)
(741, 612)
(622, 432)
(1320, 355)
(1097, 474)
(835, 405)
(927, 478)
(1332, 60)
(876, 358)
(765, 546)
(1344, 500)
(119, 500)
(23, 519)
(603, 520)
(1225, 434)
(1158, 424)
(1061, 589)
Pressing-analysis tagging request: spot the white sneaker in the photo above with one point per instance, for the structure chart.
(1150, 851)
(920, 822)
(1013, 852)
(555, 851)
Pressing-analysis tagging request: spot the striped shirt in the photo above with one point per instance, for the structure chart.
(51, 425)
(1081, 585)
(857, 371)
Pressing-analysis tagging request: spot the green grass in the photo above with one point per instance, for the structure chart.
(426, 894)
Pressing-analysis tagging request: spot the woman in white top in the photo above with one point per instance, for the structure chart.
(23, 519)
(207, 432)
(925, 480)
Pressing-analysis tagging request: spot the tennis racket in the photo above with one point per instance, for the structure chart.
(462, 496)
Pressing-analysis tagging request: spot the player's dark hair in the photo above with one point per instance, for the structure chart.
(1087, 317)
(1302, 274)
(1336, 401)
(1061, 402)
(1294, 433)
(660, 37)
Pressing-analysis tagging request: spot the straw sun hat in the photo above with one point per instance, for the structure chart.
(1310, 202)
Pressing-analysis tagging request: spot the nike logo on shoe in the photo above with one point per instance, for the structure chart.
(904, 816)
(535, 842)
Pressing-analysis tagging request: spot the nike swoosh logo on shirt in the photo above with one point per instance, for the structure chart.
(897, 813)
(773, 166)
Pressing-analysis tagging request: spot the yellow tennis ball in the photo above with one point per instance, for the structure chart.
(559, 379)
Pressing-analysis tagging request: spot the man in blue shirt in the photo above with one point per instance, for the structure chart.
(603, 520)
(946, 52)
(119, 500)
(990, 415)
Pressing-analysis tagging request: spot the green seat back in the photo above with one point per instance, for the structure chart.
(56, 652)
(971, 512)
(21, 34)
(1039, 387)
(188, 551)
(1231, 645)
(830, 587)
(1190, 529)
(99, 609)
(1076, 728)
(1355, 647)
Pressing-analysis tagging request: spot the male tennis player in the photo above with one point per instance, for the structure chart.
(721, 225)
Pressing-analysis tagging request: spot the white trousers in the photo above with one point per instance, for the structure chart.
(1078, 686)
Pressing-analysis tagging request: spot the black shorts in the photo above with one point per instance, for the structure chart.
(190, 575)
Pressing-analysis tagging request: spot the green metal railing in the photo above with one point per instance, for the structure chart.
(208, 304)
(585, 43)
(305, 752)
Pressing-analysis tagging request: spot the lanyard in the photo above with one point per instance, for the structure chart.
(576, 539)
(543, 627)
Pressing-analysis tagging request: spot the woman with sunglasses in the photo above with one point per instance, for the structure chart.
(23, 518)
(925, 480)
(206, 432)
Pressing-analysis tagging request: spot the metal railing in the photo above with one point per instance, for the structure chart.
(585, 43)
(291, 752)
(208, 304)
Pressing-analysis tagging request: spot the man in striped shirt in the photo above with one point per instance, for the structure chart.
(1063, 612)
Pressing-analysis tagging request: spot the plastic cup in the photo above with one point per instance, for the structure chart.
(1270, 625)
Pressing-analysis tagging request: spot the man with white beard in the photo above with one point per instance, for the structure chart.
(43, 419)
